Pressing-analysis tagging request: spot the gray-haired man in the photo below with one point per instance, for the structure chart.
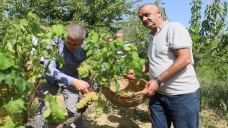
(66, 76)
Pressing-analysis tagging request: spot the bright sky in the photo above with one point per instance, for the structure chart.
(179, 10)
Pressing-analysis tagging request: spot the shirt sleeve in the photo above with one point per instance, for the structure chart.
(179, 37)
(56, 75)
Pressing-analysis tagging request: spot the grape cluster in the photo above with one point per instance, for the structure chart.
(91, 96)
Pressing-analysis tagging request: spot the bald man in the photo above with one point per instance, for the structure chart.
(173, 88)
(119, 35)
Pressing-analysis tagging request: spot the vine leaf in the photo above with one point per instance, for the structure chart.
(47, 112)
(21, 84)
(10, 124)
(9, 78)
(59, 59)
(15, 106)
(57, 112)
(5, 62)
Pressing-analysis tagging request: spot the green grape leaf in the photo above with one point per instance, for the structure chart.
(5, 62)
(49, 97)
(9, 125)
(21, 84)
(10, 47)
(94, 36)
(24, 22)
(59, 59)
(2, 77)
(47, 112)
(45, 53)
(8, 79)
(14, 106)
(89, 52)
(135, 55)
(29, 85)
(119, 42)
(57, 112)
(126, 48)
(58, 30)
(20, 127)
(35, 29)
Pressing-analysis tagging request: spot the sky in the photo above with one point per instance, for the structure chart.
(179, 10)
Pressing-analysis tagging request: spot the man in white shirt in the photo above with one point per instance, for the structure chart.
(173, 88)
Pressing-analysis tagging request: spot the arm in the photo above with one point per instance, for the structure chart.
(183, 59)
(80, 85)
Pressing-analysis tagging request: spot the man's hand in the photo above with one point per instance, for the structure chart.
(81, 86)
(131, 74)
(151, 87)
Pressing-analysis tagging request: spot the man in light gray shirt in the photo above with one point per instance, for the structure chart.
(173, 88)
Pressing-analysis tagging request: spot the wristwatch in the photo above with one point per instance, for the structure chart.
(158, 81)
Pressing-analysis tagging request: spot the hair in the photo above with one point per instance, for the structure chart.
(150, 4)
(76, 30)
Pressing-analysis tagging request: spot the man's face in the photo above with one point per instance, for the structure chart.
(119, 35)
(110, 39)
(149, 17)
(73, 43)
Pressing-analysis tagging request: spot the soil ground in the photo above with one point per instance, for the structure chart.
(138, 117)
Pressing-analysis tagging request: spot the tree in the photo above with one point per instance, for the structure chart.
(99, 14)
(210, 38)
(3, 19)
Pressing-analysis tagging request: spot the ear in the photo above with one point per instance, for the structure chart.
(159, 13)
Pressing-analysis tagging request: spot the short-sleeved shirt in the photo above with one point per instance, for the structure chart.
(72, 60)
(170, 36)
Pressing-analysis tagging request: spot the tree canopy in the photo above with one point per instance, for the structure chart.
(93, 14)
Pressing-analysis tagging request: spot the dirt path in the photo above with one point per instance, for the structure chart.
(137, 117)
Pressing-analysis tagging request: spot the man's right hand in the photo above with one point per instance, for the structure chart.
(81, 85)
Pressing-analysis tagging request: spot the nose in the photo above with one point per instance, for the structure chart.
(144, 18)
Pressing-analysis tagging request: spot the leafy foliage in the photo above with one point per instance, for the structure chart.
(17, 80)
(54, 112)
(104, 61)
(210, 49)
(210, 39)
(99, 14)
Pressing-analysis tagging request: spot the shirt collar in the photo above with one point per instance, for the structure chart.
(161, 26)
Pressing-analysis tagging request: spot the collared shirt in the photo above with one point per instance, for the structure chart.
(171, 36)
(65, 74)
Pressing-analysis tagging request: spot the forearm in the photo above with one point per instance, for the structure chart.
(57, 74)
(61, 77)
